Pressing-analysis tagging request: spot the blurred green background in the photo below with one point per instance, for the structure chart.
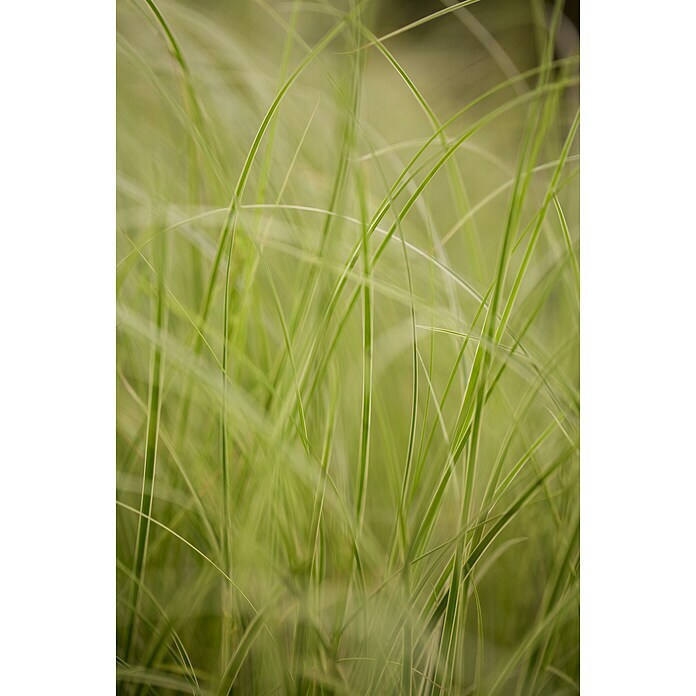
(347, 348)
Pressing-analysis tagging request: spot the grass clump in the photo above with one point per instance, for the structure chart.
(347, 324)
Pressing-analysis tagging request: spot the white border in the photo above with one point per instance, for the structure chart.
(57, 414)
(638, 224)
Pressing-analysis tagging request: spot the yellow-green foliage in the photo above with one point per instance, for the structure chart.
(348, 403)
